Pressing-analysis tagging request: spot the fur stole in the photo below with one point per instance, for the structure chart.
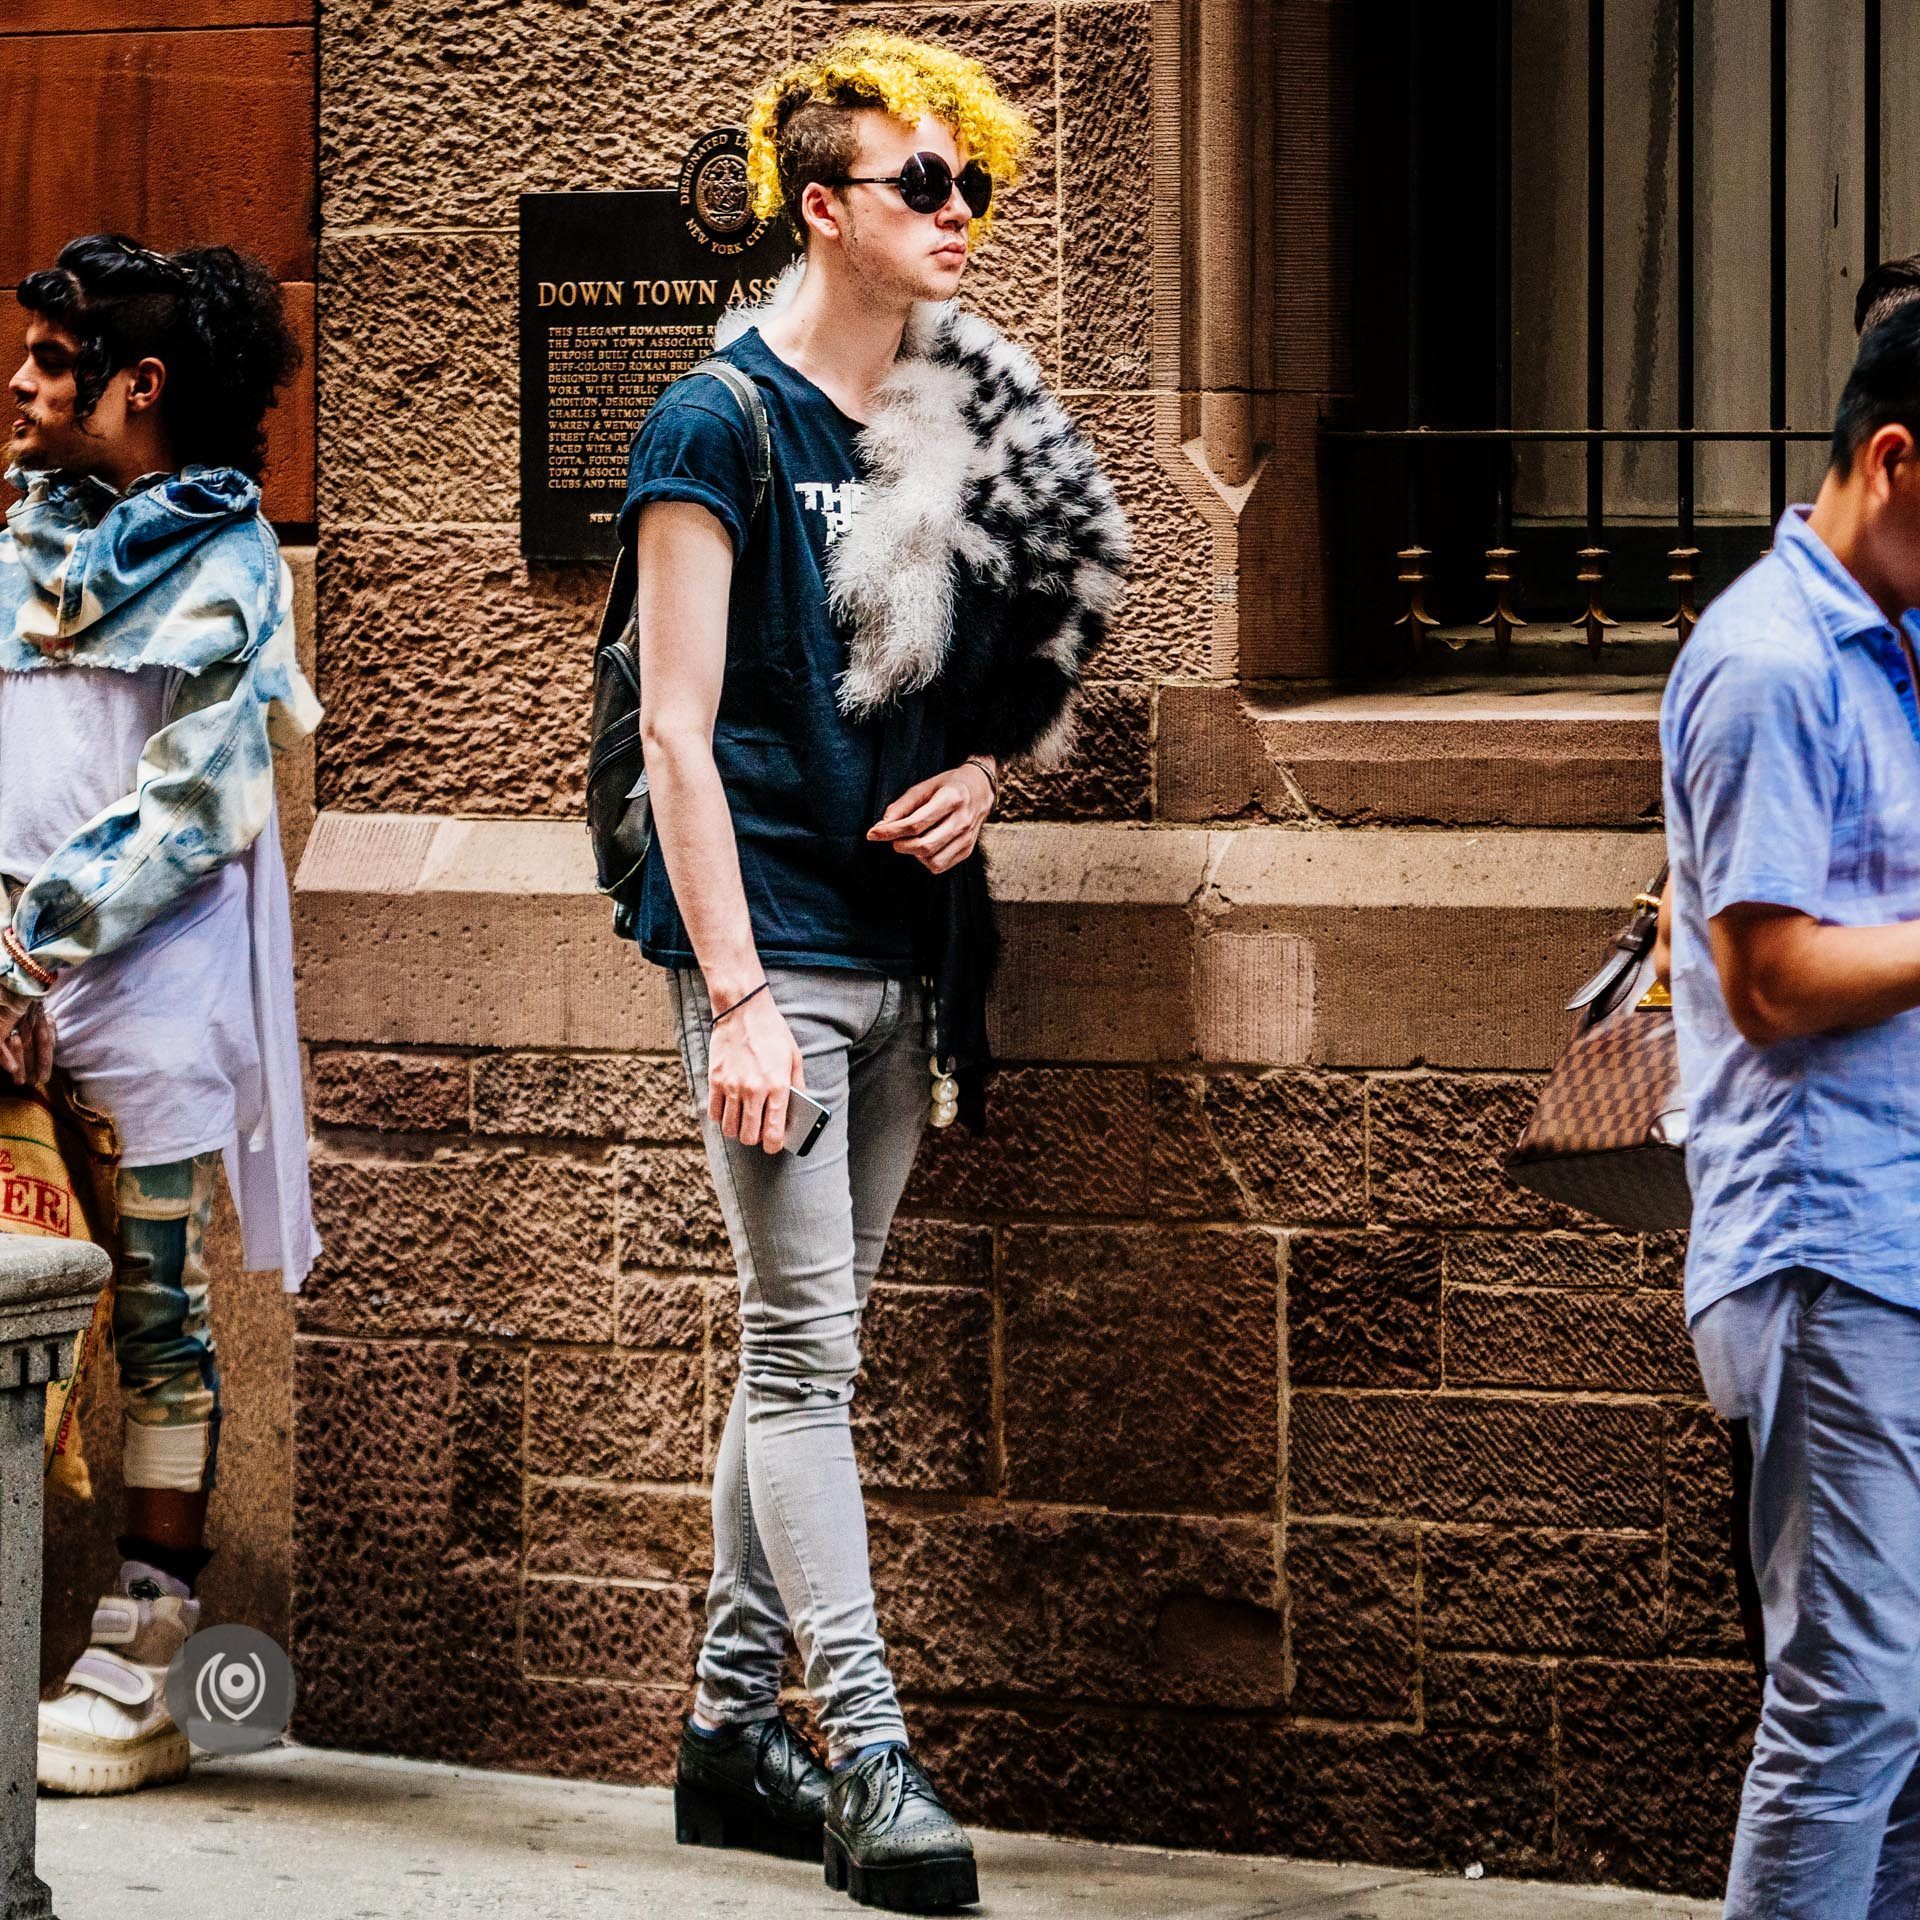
(989, 551)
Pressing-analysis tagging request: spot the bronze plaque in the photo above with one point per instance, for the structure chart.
(619, 293)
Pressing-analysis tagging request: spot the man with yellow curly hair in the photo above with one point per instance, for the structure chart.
(867, 574)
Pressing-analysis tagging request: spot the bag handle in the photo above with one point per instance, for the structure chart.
(622, 587)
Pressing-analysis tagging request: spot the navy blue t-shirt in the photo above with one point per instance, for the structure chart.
(803, 783)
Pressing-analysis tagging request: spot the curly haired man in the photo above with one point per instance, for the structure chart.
(835, 675)
(147, 675)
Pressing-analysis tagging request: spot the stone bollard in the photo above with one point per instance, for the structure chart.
(47, 1294)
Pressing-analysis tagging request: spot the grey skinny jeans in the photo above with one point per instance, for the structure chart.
(789, 1526)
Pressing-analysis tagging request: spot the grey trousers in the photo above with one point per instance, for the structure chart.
(789, 1527)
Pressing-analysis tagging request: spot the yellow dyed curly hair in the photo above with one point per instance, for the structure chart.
(787, 146)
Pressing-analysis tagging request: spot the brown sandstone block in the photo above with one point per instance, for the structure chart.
(1486, 1690)
(224, 149)
(1703, 1607)
(1188, 1175)
(625, 1416)
(1208, 762)
(583, 1630)
(1538, 1592)
(1542, 1260)
(937, 1253)
(923, 1413)
(1441, 1799)
(122, 16)
(1604, 1342)
(1164, 626)
(1666, 1259)
(1254, 995)
(416, 347)
(396, 1092)
(288, 483)
(515, 1247)
(1107, 773)
(1106, 111)
(1351, 1621)
(1625, 1724)
(1080, 984)
(1436, 1144)
(1295, 1142)
(583, 1730)
(372, 1482)
(473, 88)
(1059, 1140)
(1140, 1366)
(669, 1215)
(590, 1096)
(1180, 1611)
(1162, 1780)
(360, 1693)
(619, 1533)
(1014, 282)
(487, 1482)
(660, 1310)
(1456, 1457)
(488, 662)
(1363, 1310)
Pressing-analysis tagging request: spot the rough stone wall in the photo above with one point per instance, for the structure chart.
(1448, 1585)
(1250, 1467)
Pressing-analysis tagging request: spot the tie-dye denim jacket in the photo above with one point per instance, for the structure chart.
(180, 571)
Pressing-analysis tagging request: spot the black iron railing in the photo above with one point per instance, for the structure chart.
(1437, 556)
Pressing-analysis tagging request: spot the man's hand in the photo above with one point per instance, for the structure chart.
(26, 1045)
(1663, 937)
(751, 1063)
(938, 821)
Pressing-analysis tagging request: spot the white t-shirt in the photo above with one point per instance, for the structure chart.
(160, 1033)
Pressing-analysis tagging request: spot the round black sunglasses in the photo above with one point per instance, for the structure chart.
(926, 184)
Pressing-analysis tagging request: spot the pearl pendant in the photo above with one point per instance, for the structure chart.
(946, 1096)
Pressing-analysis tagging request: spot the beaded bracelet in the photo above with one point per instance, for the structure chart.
(24, 960)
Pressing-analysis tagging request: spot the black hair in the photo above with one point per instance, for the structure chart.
(212, 317)
(1883, 390)
(1889, 285)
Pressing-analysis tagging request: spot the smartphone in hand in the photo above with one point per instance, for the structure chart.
(806, 1121)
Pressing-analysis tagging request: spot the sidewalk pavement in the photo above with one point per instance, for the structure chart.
(298, 1833)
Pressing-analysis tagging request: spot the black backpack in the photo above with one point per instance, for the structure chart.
(619, 807)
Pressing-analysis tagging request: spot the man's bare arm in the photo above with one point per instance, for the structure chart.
(1785, 974)
(685, 566)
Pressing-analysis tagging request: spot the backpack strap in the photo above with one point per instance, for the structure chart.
(620, 590)
(748, 397)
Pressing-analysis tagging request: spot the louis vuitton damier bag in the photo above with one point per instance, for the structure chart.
(1609, 1135)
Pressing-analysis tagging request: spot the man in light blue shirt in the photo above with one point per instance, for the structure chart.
(1791, 735)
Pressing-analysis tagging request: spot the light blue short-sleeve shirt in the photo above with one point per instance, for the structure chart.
(1790, 732)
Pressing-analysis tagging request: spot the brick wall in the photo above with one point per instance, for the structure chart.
(1250, 1467)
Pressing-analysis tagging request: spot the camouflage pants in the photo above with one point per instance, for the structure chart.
(162, 1332)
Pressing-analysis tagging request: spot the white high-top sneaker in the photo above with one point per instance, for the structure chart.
(109, 1731)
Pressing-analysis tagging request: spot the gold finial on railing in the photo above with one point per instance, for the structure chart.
(1413, 576)
(1503, 620)
(1594, 622)
(1681, 570)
